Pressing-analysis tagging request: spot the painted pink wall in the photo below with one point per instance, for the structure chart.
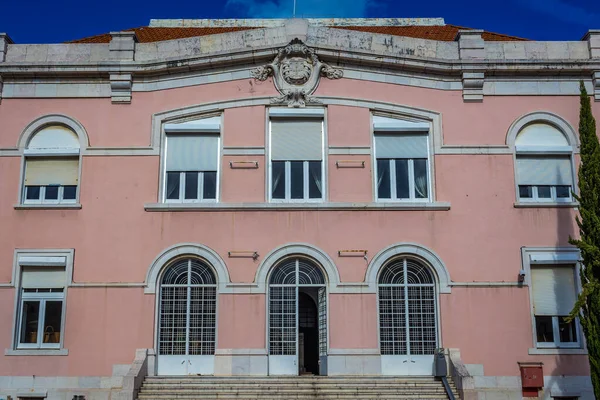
(103, 328)
(492, 326)
(353, 321)
(242, 321)
(115, 240)
(244, 126)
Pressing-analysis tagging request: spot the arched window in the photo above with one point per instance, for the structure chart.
(544, 163)
(51, 166)
(187, 321)
(407, 309)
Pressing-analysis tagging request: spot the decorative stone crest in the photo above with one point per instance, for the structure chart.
(296, 71)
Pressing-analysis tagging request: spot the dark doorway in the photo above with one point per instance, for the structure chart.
(308, 332)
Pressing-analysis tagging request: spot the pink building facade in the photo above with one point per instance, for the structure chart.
(292, 198)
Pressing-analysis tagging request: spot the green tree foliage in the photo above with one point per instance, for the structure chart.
(587, 307)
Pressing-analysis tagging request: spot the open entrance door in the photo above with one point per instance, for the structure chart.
(297, 319)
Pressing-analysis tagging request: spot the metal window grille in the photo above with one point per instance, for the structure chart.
(283, 302)
(322, 298)
(188, 300)
(407, 309)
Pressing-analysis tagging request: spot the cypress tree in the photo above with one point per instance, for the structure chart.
(587, 307)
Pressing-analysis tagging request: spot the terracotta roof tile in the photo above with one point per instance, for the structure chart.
(437, 32)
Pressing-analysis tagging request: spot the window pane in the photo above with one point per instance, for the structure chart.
(29, 321)
(315, 180)
(543, 329)
(51, 192)
(420, 167)
(172, 185)
(525, 192)
(32, 192)
(402, 188)
(568, 334)
(297, 179)
(209, 191)
(52, 323)
(383, 179)
(563, 192)
(544, 192)
(278, 179)
(69, 192)
(191, 185)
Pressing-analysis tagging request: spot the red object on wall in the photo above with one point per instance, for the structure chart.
(532, 378)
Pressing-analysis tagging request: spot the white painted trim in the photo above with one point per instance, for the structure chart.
(43, 255)
(413, 250)
(241, 352)
(42, 261)
(316, 206)
(555, 351)
(562, 256)
(32, 394)
(49, 206)
(300, 249)
(354, 352)
(40, 352)
(53, 119)
(308, 112)
(55, 152)
(194, 249)
(545, 117)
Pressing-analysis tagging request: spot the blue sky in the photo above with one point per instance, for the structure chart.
(37, 21)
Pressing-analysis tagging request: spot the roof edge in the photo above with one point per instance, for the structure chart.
(277, 22)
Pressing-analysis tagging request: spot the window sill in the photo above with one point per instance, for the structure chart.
(533, 204)
(68, 206)
(555, 351)
(36, 352)
(436, 206)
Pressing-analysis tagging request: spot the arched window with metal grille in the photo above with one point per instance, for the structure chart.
(407, 308)
(187, 320)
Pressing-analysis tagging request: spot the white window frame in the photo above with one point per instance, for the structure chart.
(553, 198)
(39, 258)
(191, 127)
(565, 257)
(42, 199)
(411, 181)
(300, 113)
(200, 190)
(42, 298)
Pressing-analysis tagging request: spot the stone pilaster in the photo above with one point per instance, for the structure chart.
(593, 39)
(5, 40)
(596, 85)
(122, 46)
(471, 46)
(120, 88)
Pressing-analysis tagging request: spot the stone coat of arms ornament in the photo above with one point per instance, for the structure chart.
(296, 71)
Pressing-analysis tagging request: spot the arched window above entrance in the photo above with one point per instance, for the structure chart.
(297, 270)
(192, 271)
(405, 271)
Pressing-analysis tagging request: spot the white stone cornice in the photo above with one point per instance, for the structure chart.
(596, 85)
(593, 39)
(120, 88)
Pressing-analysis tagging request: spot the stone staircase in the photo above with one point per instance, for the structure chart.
(298, 387)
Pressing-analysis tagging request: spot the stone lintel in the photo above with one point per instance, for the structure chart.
(120, 88)
(593, 39)
(122, 45)
(473, 86)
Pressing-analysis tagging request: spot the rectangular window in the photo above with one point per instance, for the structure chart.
(41, 307)
(402, 167)
(191, 167)
(554, 294)
(296, 159)
(50, 180)
(544, 178)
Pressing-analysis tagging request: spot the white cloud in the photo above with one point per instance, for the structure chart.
(564, 11)
(304, 8)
